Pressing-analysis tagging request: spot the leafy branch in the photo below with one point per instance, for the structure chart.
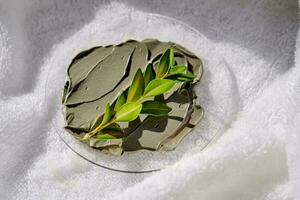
(133, 101)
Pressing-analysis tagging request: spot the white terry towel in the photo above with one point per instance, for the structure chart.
(251, 97)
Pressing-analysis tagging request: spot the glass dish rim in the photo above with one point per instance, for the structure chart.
(53, 124)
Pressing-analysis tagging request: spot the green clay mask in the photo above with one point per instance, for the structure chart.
(98, 75)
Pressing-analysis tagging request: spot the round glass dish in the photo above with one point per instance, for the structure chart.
(166, 29)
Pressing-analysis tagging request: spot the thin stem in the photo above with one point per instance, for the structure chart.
(140, 99)
(99, 128)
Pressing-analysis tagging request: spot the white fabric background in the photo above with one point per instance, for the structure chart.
(257, 149)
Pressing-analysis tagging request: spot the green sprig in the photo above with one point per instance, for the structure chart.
(133, 102)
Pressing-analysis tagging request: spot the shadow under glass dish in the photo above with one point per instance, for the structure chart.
(141, 161)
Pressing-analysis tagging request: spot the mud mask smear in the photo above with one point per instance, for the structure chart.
(132, 96)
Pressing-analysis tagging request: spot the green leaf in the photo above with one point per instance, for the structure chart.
(149, 74)
(182, 77)
(120, 101)
(158, 86)
(137, 87)
(107, 114)
(128, 112)
(112, 131)
(177, 69)
(155, 108)
(105, 137)
(112, 128)
(166, 61)
(189, 75)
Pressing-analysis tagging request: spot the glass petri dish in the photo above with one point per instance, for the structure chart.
(142, 161)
